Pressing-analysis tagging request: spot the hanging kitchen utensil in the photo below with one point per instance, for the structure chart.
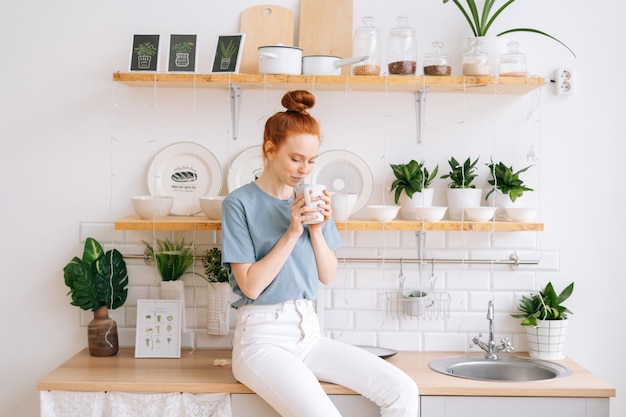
(326, 28)
(326, 64)
(264, 25)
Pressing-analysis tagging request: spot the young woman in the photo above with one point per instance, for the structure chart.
(277, 262)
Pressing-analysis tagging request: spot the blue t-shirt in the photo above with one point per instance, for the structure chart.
(252, 223)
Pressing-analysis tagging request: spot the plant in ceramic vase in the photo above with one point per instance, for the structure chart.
(218, 308)
(545, 318)
(98, 282)
(462, 191)
(412, 186)
(172, 259)
(506, 185)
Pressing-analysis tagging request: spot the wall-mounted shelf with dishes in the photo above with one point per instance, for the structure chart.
(181, 223)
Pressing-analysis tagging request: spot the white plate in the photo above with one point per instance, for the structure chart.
(185, 171)
(378, 351)
(246, 167)
(344, 172)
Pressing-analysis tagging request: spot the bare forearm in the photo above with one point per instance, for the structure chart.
(325, 258)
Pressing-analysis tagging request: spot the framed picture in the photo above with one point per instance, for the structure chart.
(228, 49)
(145, 53)
(182, 56)
(158, 329)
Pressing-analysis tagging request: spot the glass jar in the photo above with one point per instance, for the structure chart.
(437, 62)
(402, 49)
(475, 61)
(513, 63)
(366, 43)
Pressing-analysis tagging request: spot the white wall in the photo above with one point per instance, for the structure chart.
(73, 152)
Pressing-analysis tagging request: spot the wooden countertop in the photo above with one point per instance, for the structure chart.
(196, 373)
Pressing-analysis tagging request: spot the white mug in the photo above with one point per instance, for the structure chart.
(343, 205)
(312, 190)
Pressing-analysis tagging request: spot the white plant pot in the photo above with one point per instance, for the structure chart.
(459, 198)
(218, 308)
(175, 290)
(547, 340)
(502, 202)
(421, 199)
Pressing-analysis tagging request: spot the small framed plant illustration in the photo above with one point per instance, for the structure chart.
(158, 329)
(145, 53)
(228, 49)
(182, 56)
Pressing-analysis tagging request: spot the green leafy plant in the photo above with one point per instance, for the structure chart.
(145, 49)
(461, 176)
(228, 50)
(183, 47)
(172, 259)
(507, 181)
(544, 305)
(98, 279)
(212, 261)
(481, 22)
(411, 178)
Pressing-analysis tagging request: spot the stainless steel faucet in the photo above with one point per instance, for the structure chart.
(490, 347)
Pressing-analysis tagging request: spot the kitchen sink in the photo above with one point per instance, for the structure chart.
(504, 369)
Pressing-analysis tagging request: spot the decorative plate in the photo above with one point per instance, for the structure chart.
(344, 172)
(185, 171)
(246, 167)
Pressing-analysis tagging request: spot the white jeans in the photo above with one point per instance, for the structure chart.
(279, 353)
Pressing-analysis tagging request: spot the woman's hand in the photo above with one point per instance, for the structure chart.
(324, 208)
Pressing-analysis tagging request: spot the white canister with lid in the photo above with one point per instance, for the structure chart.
(280, 59)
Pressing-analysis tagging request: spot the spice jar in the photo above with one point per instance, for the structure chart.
(437, 62)
(513, 63)
(366, 43)
(475, 61)
(402, 49)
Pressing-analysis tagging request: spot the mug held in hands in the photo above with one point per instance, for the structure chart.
(312, 190)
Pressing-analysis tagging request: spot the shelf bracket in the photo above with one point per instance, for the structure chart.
(235, 101)
(420, 112)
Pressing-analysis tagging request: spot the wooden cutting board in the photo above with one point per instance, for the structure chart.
(264, 25)
(326, 27)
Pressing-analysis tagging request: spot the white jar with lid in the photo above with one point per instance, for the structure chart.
(513, 63)
(402, 49)
(475, 61)
(366, 43)
(437, 62)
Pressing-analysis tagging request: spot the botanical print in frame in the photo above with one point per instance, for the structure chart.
(158, 329)
(228, 49)
(145, 53)
(182, 56)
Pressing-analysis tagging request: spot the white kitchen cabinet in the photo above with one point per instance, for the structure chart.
(450, 406)
(246, 405)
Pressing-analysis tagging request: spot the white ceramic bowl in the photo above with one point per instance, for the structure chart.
(151, 207)
(430, 214)
(212, 206)
(521, 214)
(383, 213)
(480, 214)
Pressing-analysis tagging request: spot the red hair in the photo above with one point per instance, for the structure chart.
(295, 120)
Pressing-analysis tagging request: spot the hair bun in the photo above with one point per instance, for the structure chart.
(298, 101)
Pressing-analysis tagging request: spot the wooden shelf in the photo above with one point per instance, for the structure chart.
(451, 84)
(181, 223)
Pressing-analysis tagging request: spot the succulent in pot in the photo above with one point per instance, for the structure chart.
(462, 191)
(218, 295)
(480, 22)
(411, 178)
(172, 258)
(98, 282)
(461, 176)
(544, 305)
(507, 181)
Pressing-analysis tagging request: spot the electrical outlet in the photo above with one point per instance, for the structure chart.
(563, 81)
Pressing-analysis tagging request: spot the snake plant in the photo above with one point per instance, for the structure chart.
(481, 22)
(544, 305)
(411, 178)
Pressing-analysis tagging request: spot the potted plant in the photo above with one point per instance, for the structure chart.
(145, 52)
(172, 260)
(480, 23)
(545, 318)
(98, 282)
(227, 52)
(182, 50)
(412, 187)
(462, 191)
(218, 308)
(506, 186)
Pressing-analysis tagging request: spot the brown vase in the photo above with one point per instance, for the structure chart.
(102, 334)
